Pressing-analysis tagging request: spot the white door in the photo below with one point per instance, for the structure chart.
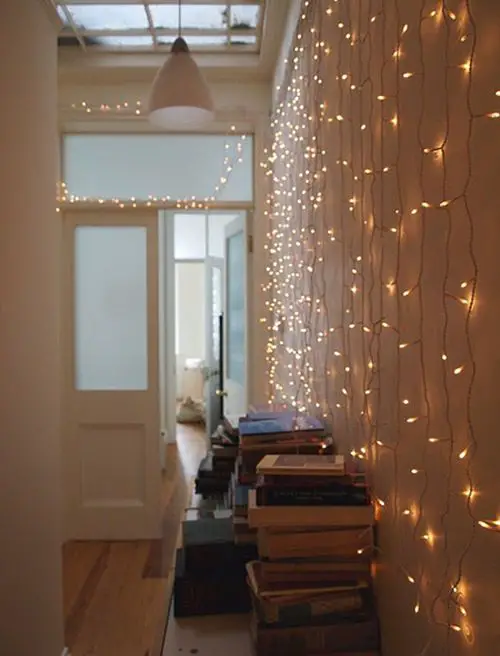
(235, 317)
(111, 396)
(214, 282)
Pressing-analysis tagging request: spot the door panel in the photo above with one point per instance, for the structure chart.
(235, 318)
(111, 396)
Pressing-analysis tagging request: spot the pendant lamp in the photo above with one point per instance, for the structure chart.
(180, 96)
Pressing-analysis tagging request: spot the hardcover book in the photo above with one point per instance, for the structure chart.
(311, 516)
(295, 464)
(333, 495)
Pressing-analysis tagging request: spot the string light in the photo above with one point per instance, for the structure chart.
(343, 172)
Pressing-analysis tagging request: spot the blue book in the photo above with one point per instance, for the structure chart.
(264, 415)
(284, 424)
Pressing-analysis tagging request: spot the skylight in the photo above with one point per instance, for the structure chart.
(118, 25)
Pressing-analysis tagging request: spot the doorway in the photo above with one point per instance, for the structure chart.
(205, 253)
(148, 295)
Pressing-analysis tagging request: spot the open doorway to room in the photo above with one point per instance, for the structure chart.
(209, 303)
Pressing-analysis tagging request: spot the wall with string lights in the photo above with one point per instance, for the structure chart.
(382, 289)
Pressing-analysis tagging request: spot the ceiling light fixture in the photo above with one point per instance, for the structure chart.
(180, 96)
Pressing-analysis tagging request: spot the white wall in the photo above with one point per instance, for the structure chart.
(236, 103)
(190, 309)
(31, 606)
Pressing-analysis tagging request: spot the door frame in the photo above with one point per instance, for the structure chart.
(126, 217)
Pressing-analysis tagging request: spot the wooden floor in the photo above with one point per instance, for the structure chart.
(116, 593)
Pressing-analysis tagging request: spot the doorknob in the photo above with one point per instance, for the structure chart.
(221, 392)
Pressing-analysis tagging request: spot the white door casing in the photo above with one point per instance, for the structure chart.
(111, 387)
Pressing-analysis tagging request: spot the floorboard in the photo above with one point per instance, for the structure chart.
(116, 594)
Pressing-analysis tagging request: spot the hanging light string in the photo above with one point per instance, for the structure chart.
(348, 287)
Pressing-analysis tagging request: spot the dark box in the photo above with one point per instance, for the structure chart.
(216, 593)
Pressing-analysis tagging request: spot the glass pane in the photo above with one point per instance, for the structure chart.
(166, 165)
(192, 16)
(216, 234)
(216, 312)
(62, 15)
(123, 41)
(189, 236)
(244, 16)
(109, 17)
(111, 308)
(235, 321)
(196, 41)
(237, 40)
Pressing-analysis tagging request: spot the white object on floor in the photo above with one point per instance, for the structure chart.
(189, 372)
(209, 635)
(191, 412)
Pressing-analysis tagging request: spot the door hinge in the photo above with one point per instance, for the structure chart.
(250, 243)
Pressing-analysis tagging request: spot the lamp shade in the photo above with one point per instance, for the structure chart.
(180, 95)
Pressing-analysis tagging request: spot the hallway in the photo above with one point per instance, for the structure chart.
(116, 594)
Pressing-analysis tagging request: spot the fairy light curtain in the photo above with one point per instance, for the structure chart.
(382, 306)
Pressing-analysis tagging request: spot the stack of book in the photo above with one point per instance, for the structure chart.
(311, 587)
(210, 574)
(264, 432)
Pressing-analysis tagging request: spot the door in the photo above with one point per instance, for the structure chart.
(111, 395)
(214, 277)
(235, 317)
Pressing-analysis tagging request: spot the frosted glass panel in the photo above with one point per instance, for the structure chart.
(235, 320)
(142, 165)
(189, 236)
(111, 308)
(216, 234)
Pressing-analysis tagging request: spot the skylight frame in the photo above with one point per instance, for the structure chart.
(162, 38)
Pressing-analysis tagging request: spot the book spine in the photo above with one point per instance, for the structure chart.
(275, 496)
(304, 640)
(299, 613)
(305, 481)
